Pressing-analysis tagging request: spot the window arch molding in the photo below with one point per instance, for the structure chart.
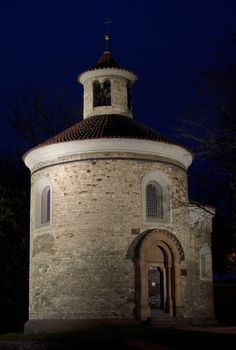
(162, 182)
(43, 203)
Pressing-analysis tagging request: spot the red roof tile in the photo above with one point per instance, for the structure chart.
(107, 126)
(106, 61)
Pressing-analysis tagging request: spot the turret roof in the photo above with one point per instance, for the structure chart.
(106, 60)
(107, 125)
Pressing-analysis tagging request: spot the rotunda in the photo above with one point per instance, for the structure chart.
(112, 233)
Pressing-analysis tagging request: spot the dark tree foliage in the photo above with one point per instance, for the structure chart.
(211, 131)
(36, 115)
(14, 239)
(31, 118)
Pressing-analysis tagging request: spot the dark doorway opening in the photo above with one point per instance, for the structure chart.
(155, 288)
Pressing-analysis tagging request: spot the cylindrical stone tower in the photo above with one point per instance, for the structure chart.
(106, 225)
(107, 88)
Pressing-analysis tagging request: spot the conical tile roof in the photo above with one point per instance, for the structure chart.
(106, 61)
(107, 126)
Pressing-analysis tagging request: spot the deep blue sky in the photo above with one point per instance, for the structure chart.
(166, 43)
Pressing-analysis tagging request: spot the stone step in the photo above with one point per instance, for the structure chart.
(160, 314)
(171, 322)
(160, 318)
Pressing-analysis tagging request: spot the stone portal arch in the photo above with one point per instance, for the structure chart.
(159, 250)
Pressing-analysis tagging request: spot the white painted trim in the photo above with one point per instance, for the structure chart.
(54, 151)
(105, 72)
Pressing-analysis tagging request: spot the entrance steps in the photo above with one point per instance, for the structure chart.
(159, 318)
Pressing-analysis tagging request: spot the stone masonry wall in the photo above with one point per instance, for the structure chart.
(79, 266)
(202, 296)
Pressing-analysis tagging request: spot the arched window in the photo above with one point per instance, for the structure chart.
(43, 202)
(101, 93)
(205, 262)
(106, 93)
(154, 206)
(96, 94)
(156, 197)
(45, 205)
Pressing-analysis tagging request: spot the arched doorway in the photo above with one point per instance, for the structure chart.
(158, 273)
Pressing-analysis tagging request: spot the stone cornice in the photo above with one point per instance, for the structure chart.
(107, 72)
(56, 151)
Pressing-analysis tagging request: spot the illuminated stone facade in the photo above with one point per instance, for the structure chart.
(91, 259)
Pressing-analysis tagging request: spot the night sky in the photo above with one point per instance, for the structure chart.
(166, 43)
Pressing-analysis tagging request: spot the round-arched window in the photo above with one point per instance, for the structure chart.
(101, 93)
(154, 207)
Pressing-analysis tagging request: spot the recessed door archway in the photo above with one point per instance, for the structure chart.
(158, 272)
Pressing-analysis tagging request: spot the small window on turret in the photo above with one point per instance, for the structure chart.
(96, 94)
(129, 97)
(101, 93)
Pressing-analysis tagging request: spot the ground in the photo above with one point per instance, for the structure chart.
(141, 337)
